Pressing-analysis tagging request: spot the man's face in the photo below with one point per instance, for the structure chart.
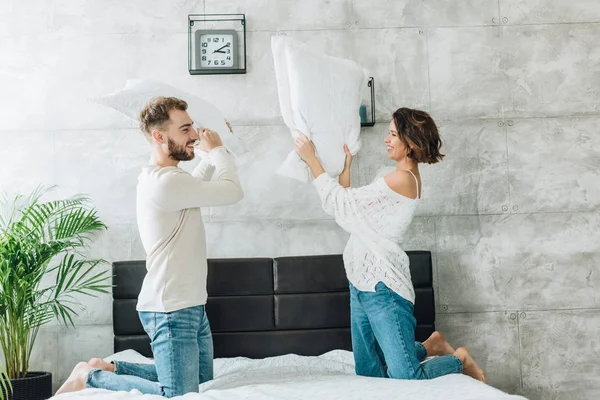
(180, 136)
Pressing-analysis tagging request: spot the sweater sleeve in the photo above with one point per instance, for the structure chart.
(178, 190)
(347, 205)
(203, 170)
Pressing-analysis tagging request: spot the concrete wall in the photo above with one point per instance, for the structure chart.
(511, 215)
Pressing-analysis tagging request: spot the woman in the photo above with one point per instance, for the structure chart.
(377, 217)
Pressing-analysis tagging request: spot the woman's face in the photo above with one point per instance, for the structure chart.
(396, 150)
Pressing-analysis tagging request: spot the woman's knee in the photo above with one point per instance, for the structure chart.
(405, 372)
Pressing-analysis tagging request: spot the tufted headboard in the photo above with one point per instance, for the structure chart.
(263, 307)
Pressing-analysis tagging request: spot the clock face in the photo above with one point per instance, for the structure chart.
(217, 50)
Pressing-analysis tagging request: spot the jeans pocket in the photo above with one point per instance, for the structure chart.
(148, 320)
(400, 301)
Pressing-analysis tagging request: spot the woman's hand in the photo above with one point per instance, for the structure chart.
(306, 151)
(349, 157)
(344, 178)
(305, 148)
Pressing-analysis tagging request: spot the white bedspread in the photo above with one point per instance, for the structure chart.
(330, 376)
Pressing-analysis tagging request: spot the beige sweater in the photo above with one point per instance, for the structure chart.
(172, 231)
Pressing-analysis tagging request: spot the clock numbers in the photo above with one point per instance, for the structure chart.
(217, 49)
(215, 40)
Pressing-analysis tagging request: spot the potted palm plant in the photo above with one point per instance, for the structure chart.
(38, 239)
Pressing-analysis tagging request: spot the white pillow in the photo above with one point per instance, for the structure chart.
(320, 96)
(137, 92)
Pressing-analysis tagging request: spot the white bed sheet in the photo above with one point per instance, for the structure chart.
(330, 376)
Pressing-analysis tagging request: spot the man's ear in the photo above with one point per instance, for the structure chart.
(158, 136)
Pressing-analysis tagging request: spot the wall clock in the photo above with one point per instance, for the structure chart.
(216, 49)
(216, 44)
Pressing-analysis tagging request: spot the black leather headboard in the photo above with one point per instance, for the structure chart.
(263, 307)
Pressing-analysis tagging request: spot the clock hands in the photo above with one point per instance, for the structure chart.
(219, 50)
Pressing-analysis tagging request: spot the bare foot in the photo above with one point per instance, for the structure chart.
(470, 367)
(436, 345)
(77, 379)
(101, 364)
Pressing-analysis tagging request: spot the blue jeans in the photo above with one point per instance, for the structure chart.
(383, 338)
(183, 356)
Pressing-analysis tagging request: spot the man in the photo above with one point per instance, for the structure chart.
(171, 302)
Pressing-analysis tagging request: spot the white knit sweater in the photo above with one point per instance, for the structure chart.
(377, 218)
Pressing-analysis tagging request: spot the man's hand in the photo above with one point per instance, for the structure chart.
(208, 139)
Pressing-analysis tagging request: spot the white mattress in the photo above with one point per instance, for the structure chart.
(330, 376)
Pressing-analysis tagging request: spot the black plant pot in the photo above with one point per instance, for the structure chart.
(35, 386)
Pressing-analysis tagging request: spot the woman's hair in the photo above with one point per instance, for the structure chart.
(418, 132)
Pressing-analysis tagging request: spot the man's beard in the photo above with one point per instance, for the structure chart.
(179, 152)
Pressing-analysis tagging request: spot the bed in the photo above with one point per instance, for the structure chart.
(281, 330)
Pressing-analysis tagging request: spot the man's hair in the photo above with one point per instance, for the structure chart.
(418, 132)
(155, 113)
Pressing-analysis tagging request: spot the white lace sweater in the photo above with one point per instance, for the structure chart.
(377, 218)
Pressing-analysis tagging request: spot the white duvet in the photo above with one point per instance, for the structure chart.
(330, 376)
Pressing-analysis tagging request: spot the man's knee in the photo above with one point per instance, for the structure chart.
(180, 391)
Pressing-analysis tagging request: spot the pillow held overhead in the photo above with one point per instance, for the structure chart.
(137, 92)
(320, 96)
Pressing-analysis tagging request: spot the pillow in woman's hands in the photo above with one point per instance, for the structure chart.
(320, 96)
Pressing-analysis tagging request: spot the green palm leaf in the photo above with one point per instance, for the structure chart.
(38, 237)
